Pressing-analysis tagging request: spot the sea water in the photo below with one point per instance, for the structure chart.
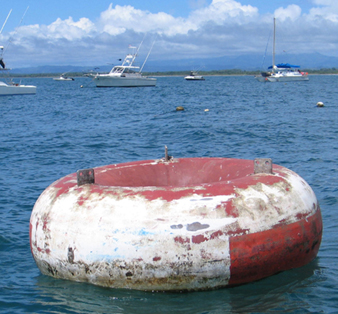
(66, 127)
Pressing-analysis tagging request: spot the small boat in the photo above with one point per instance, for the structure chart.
(63, 77)
(283, 72)
(11, 88)
(125, 75)
(176, 224)
(194, 77)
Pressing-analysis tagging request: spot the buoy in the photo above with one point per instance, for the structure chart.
(320, 104)
(179, 108)
(206, 110)
(175, 224)
(81, 86)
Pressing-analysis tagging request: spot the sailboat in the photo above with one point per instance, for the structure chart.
(282, 72)
(125, 75)
(9, 87)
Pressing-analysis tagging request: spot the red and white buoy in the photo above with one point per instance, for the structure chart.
(176, 224)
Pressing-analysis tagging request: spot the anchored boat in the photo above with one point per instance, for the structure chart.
(125, 75)
(176, 224)
(282, 72)
(63, 77)
(194, 76)
(9, 87)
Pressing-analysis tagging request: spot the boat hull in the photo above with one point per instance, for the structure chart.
(17, 90)
(287, 78)
(63, 79)
(194, 78)
(105, 81)
(187, 224)
(282, 78)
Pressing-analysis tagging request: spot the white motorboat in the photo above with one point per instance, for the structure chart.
(16, 89)
(12, 88)
(282, 72)
(194, 77)
(125, 75)
(63, 77)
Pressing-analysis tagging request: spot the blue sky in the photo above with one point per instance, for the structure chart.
(90, 32)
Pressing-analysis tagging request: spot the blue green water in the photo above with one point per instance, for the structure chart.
(64, 128)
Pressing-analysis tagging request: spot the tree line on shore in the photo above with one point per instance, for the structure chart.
(174, 73)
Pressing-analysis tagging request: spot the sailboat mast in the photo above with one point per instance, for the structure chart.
(6, 21)
(147, 56)
(274, 44)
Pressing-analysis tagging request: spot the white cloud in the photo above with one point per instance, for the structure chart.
(117, 20)
(292, 12)
(328, 9)
(221, 10)
(225, 27)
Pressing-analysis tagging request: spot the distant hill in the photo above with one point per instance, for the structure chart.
(244, 62)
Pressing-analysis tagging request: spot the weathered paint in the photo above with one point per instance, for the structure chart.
(186, 224)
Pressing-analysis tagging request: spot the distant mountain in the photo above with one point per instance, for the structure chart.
(244, 62)
(53, 69)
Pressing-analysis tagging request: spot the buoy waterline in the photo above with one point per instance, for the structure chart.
(176, 224)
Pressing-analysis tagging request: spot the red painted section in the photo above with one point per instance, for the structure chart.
(259, 255)
(174, 180)
(64, 184)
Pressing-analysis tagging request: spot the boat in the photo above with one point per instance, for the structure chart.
(125, 75)
(9, 87)
(12, 88)
(193, 76)
(283, 72)
(172, 224)
(63, 77)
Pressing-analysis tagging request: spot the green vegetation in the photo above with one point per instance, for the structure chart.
(175, 73)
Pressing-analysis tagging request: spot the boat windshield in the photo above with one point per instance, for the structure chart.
(122, 69)
(117, 70)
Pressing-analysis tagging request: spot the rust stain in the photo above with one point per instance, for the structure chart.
(181, 240)
(199, 239)
(157, 258)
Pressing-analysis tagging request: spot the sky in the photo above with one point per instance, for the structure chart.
(94, 32)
